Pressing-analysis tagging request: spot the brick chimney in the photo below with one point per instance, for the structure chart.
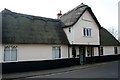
(59, 14)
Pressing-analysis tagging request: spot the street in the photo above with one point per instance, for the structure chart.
(105, 70)
(98, 70)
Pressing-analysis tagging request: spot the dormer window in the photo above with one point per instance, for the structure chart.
(87, 32)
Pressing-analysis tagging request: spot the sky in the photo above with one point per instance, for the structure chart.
(106, 11)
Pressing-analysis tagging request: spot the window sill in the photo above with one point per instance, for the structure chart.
(87, 36)
(9, 61)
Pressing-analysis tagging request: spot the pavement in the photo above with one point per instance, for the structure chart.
(23, 75)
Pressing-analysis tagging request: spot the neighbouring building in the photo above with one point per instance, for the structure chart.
(109, 45)
(75, 34)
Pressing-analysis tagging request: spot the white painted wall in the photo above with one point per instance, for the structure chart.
(77, 51)
(0, 37)
(76, 36)
(34, 52)
(109, 50)
(119, 21)
(118, 49)
(1, 51)
(96, 51)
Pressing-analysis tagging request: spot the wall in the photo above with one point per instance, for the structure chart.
(76, 36)
(1, 56)
(77, 51)
(0, 36)
(119, 21)
(43, 65)
(34, 52)
(109, 50)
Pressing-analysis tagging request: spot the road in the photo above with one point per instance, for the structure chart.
(104, 70)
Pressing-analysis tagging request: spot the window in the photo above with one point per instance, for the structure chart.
(90, 51)
(101, 50)
(7, 53)
(115, 50)
(10, 53)
(69, 29)
(87, 32)
(74, 52)
(56, 52)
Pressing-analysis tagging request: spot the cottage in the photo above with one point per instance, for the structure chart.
(108, 43)
(82, 29)
(31, 38)
(74, 38)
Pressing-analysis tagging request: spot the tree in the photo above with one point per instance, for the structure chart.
(113, 31)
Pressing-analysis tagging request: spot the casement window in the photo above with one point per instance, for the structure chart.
(87, 32)
(70, 30)
(101, 50)
(74, 52)
(115, 50)
(56, 52)
(90, 51)
(10, 53)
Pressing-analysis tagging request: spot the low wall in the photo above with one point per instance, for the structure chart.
(52, 64)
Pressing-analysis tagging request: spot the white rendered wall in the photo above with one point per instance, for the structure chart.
(35, 52)
(77, 51)
(109, 50)
(1, 51)
(76, 35)
(0, 37)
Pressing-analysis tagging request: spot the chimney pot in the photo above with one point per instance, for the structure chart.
(59, 14)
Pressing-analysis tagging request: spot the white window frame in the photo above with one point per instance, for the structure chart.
(56, 55)
(90, 51)
(87, 32)
(10, 54)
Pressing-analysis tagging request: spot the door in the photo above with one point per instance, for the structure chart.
(82, 55)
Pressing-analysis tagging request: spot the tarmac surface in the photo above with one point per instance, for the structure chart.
(96, 70)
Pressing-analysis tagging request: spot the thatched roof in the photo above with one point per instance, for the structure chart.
(72, 16)
(107, 39)
(26, 29)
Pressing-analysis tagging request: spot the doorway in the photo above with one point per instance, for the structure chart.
(82, 55)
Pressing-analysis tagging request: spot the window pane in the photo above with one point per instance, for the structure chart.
(14, 54)
(89, 32)
(115, 50)
(101, 50)
(56, 52)
(69, 29)
(53, 52)
(7, 54)
(84, 31)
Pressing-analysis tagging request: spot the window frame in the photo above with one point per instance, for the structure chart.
(101, 51)
(69, 29)
(56, 52)
(90, 51)
(10, 56)
(115, 50)
(87, 32)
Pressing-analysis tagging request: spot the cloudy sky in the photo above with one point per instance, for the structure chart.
(106, 11)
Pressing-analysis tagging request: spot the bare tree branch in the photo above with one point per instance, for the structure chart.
(113, 31)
